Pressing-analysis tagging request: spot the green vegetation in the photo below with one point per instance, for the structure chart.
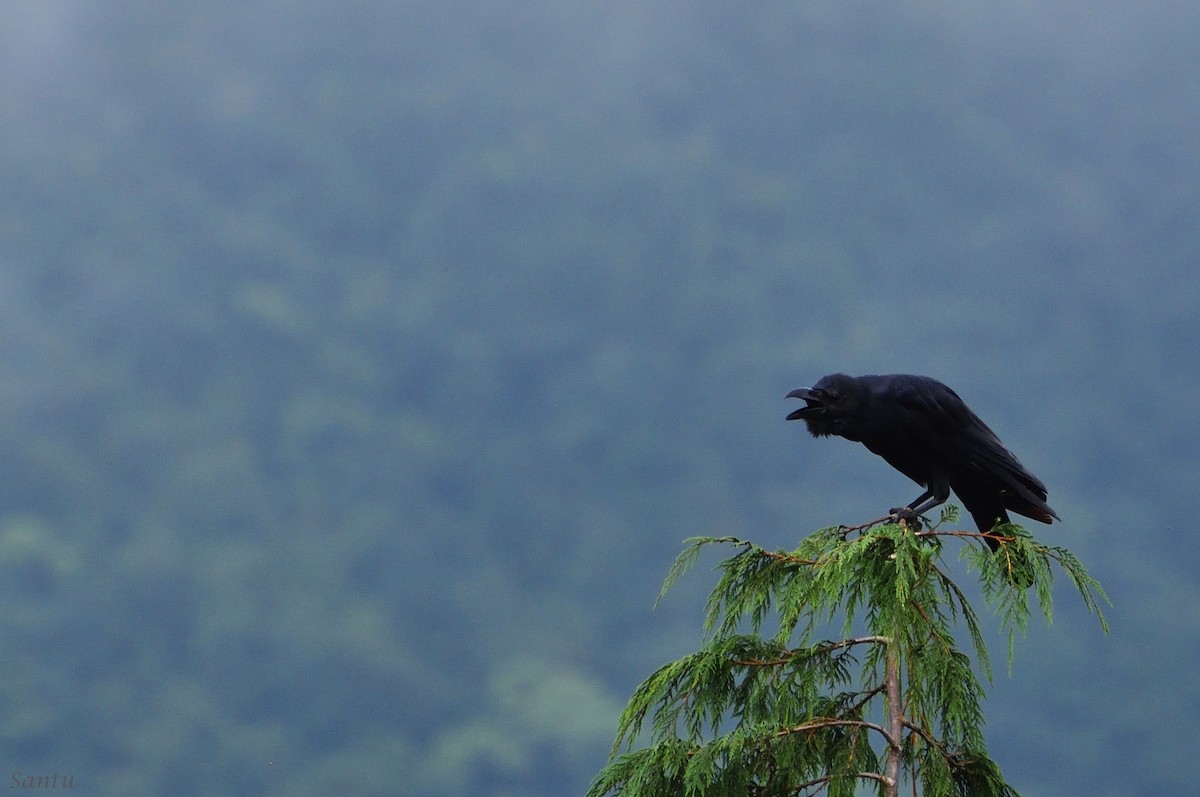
(894, 700)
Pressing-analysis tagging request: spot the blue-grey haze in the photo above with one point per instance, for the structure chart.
(366, 363)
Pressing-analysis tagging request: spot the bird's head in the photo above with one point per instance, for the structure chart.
(832, 406)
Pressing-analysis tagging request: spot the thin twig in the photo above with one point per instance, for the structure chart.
(981, 535)
(877, 521)
(866, 697)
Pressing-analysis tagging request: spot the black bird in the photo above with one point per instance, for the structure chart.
(925, 431)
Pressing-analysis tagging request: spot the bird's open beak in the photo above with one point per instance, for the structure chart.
(813, 405)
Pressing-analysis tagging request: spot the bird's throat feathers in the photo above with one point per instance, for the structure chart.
(825, 424)
(818, 429)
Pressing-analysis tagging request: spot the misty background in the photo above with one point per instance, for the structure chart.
(364, 365)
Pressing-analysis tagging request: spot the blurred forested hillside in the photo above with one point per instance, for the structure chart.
(364, 364)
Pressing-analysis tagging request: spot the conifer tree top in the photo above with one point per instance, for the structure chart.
(833, 665)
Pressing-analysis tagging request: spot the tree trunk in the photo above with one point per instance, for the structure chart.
(895, 719)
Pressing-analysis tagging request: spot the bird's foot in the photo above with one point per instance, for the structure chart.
(905, 516)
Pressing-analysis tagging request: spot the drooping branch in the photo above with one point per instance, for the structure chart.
(781, 556)
(825, 647)
(833, 722)
(930, 739)
(799, 787)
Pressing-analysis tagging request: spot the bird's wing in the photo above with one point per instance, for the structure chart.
(942, 421)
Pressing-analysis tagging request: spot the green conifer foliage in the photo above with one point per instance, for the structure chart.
(767, 706)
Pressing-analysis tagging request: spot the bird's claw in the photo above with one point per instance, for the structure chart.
(905, 516)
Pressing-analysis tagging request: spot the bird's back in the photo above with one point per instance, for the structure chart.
(926, 431)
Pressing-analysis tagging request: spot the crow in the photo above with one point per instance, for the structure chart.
(924, 430)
